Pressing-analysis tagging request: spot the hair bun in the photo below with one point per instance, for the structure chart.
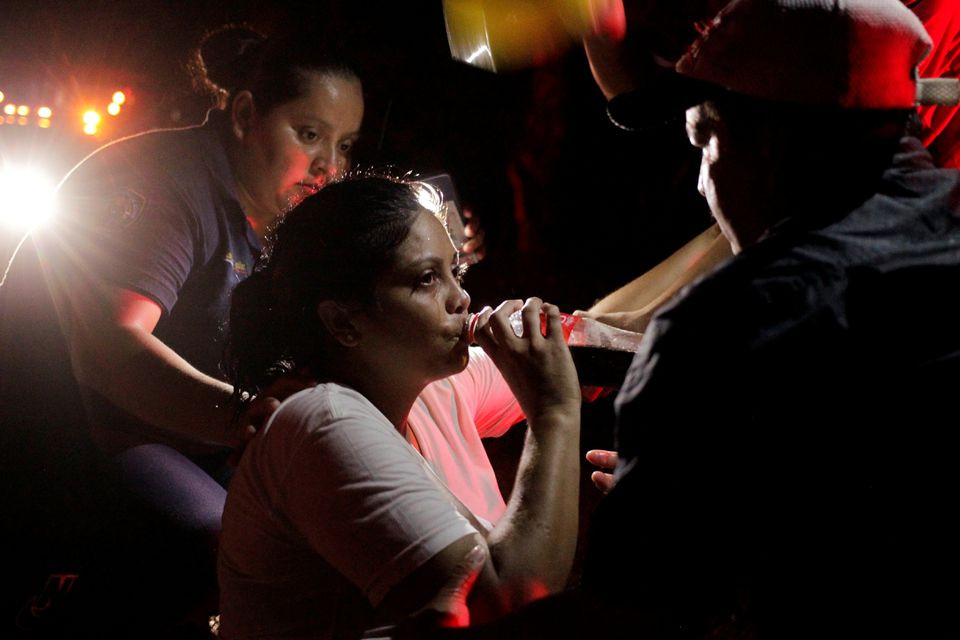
(224, 57)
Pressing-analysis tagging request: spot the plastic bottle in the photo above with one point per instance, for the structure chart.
(601, 353)
(580, 331)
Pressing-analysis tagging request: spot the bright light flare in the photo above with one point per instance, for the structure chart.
(23, 110)
(119, 97)
(90, 129)
(2, 96)
(44, 112)
(113, 108)
(91, 117)
(10, 109)
(26, 198)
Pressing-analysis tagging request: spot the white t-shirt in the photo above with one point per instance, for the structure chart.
(330, 506)
(447, 422)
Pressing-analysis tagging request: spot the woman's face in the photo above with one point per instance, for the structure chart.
(298, 146)
(418, 322)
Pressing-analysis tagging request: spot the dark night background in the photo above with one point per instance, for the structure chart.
(572, 206)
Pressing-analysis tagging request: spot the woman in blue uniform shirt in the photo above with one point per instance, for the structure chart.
(115, 415)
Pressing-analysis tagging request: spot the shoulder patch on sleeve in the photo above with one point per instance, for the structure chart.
(125, 207)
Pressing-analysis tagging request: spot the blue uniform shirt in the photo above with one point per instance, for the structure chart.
(156, 213)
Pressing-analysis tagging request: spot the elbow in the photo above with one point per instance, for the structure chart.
(509, 597)
(520, 582)
(522, 592)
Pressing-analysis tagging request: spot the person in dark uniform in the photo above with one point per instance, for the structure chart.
(115, 416)
(785, 450)
(783, 465)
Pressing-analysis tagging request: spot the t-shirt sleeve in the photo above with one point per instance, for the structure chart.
(359, 496)
(495, 408)
(130, 229)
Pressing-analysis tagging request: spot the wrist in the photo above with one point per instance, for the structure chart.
(233, 408)
(240, 403)
(557, 416)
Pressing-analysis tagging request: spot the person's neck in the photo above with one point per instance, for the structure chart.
(383, 388)
(260, 219)
(261, 224)
(393, 402)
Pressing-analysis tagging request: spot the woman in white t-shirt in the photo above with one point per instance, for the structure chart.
(361, 496)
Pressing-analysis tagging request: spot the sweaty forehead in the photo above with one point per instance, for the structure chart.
(428, 239)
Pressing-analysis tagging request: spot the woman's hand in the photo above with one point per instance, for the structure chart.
(607, 461)
(255, 415)
(538, 367)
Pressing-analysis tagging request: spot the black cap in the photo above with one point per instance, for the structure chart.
(662, 99)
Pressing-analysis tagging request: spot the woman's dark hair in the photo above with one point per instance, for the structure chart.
(332, 246)
(274, 69)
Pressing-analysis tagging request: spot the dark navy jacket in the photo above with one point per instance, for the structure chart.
(786, 431)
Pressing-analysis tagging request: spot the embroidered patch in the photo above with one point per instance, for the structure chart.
(239, 266)
(126, 207)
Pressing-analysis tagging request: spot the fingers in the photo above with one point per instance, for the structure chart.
(494, 330)
(539, 320)
(553, 324)
(246, 432)
(260, 410)
(606, 460)
(265, 403)
(603, 481)
(530, 314)
(477, 322)
(474, 247)
(475, 238)
(602, 458)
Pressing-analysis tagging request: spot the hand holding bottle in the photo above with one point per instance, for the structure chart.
(601, 353)
(537, 365)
